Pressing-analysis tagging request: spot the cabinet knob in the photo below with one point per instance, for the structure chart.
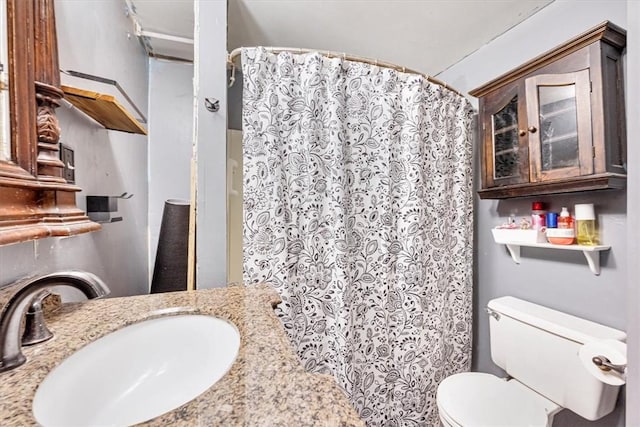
(532, 129)
(522, 132)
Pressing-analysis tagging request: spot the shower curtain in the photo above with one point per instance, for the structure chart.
(358, 210)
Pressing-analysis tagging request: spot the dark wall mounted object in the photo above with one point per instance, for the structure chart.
(212, 104)
(68, 159)
(101, 208)
(171, 266)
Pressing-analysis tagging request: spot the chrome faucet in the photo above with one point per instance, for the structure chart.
(14, 310)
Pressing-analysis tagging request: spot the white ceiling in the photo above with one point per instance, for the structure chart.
(426, 35)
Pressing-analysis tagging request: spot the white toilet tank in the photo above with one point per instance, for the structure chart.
(539, 347)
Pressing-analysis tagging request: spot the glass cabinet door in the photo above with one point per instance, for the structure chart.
(559, 116)
(505, 140)
(505, 154)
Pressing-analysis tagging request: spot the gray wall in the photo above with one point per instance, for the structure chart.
(171, 131)
(548, 277)
(92, 38)
(633, 213)
(234, 102)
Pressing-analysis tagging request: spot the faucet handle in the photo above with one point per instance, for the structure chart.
(14, 310)
(35, 329)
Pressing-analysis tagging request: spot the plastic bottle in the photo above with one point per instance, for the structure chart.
(552, 220)
(565, 220)
(564, 234)
(586, 228)
(538, 215)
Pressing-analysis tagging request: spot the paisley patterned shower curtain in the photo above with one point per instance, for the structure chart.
(358, 210)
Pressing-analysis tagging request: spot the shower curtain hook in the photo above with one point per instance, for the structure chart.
(232, 79)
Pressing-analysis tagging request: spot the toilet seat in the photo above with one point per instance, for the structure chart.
(474, 399)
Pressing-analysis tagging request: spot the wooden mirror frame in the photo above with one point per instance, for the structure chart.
(35, 200)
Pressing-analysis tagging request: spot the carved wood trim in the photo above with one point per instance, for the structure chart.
(35, 200)
(48, 92)
(21, 88)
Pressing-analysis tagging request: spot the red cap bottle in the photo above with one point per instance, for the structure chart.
(538, 220)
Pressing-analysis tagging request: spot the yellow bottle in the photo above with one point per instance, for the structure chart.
(586, 228)
(587, 232)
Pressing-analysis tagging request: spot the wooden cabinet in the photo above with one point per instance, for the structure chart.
(556, 124)
(36, 201)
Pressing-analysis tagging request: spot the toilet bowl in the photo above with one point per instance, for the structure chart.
(539, 349)
(478, 399)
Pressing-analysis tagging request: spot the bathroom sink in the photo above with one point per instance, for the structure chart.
(138, 372)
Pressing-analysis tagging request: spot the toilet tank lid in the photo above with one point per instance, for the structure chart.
(556, 322)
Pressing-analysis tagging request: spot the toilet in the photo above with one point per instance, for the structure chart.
(538, 348)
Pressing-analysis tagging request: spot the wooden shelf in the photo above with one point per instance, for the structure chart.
(606, 181)
(104, 109)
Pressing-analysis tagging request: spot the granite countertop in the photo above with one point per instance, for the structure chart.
(266, 385)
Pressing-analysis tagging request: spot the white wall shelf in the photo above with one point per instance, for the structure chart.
(591, 253)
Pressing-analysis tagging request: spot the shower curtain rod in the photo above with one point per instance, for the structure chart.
(236, 52)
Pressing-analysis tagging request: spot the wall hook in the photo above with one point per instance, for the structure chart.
(212, 104)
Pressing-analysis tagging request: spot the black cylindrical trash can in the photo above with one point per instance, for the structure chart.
(170, 271)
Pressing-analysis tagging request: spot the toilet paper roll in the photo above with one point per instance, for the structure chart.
(613, 350)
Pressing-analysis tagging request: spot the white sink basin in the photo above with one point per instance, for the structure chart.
(138, 372)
